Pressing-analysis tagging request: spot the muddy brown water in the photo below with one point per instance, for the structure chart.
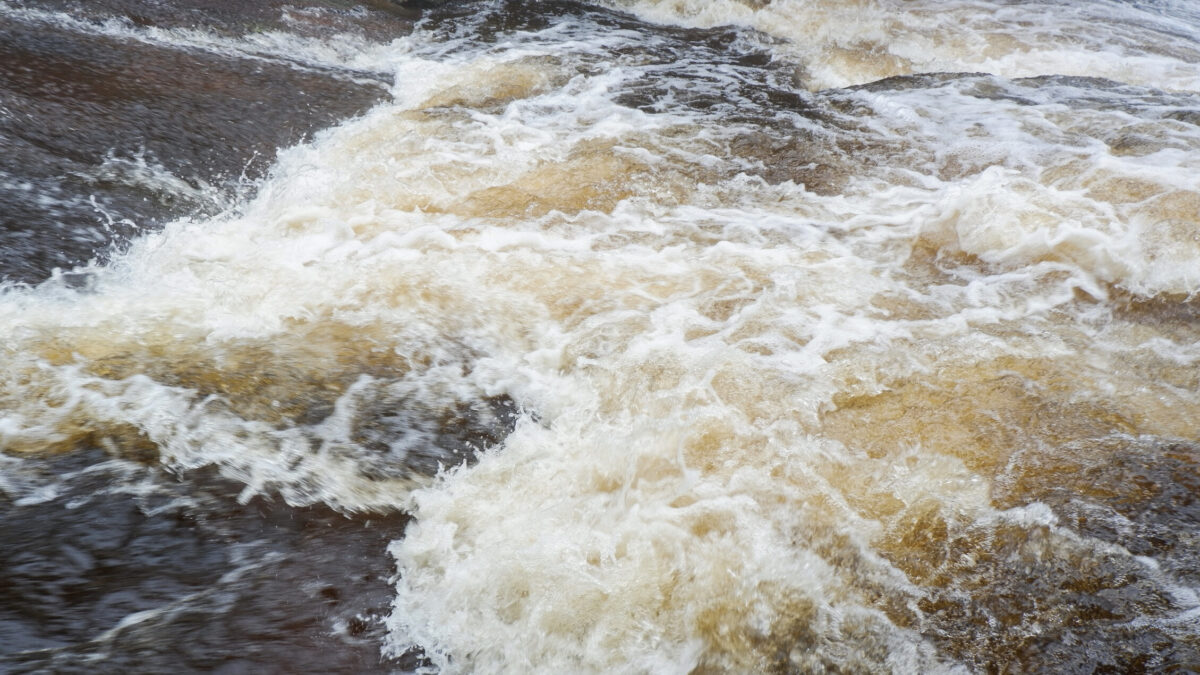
(632, 336)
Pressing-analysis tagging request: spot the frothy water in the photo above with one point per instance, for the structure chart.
(844, 43)
(852, 337)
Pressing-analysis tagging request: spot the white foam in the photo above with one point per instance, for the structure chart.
(841, 44)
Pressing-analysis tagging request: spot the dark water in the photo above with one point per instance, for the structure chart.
(223, 586)
(84, 114)
(89, 125)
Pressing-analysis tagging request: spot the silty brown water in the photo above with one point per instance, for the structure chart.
(795, 337)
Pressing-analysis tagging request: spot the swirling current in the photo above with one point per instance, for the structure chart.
(625, 336)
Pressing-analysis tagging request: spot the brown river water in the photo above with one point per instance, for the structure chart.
(639, 336)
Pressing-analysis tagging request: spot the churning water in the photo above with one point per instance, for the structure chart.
(645, 336)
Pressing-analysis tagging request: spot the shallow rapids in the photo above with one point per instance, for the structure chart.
(694, 337)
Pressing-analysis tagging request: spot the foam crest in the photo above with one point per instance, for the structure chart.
(704, 468)
(1062, 175)
(258, 326)
(842, 44)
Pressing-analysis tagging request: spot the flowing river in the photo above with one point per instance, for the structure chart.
(640, 336)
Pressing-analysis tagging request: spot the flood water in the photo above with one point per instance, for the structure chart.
(635, 336)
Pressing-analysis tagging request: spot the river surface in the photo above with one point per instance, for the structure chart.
(638, 336)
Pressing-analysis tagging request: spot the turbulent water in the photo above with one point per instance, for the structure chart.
(679, 336)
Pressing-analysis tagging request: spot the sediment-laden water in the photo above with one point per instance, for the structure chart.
(647, 337)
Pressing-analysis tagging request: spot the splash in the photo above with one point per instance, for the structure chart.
(684, 363)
